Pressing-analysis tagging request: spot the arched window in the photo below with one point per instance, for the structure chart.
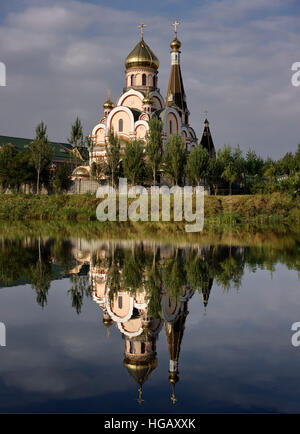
(131, 348)
(144, 80)
(132, 80)
(143, 347)
(154, 81)
(171, 127)
(120, 125)
(120, 302)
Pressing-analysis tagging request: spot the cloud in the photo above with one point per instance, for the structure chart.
(61, 56)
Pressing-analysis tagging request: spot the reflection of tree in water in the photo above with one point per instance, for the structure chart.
(139, 265)
(80, 288)
(41, 275)
(174, 274)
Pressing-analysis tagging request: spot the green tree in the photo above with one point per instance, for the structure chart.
(175, 159)
(287, 164)
(214, 173)
(154, 148)
(197, 164)
(97, 168)
(253, 163)
(233, 163)
(112, 165)
(61, 180)
(133, 161)
(76, 139)
(41, 152)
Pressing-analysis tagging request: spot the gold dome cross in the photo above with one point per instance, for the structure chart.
(175, 24)
(141, 26)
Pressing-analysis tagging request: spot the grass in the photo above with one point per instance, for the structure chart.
(256, 212)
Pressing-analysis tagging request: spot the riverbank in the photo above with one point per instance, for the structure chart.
(248, 220)
(221, 209)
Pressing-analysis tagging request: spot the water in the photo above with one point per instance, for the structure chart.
(103, 326)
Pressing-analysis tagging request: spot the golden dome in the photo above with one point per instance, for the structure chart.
(108, 104)
(175, 44)
(147, 99)
(141, 55)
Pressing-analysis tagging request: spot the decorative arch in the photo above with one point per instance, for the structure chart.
(98, 127)
(114, 317)
(127, 333)
(117, 110)
(129, 93)
(165, 116)
(157, 95)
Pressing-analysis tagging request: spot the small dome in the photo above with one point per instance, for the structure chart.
(141, 55)
(175, 44)
(147, 99)
(108, 104)
(81, 171)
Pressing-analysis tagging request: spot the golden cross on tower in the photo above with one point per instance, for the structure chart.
(173, 399)
(141, 26)
(140, 399)
(175, 24)
(206, 113)
(108, 94)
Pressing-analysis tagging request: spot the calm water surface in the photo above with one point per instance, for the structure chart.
(103, 326)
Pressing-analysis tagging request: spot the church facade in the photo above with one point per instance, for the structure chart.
(141, 99)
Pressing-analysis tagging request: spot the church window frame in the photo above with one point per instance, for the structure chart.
(120, 302)
(121, 125)
(144, 80)
(131, 347)
(171, 126)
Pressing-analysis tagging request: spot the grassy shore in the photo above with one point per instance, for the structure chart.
(255, 211)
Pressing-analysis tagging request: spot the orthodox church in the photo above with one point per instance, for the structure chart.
(141, 100)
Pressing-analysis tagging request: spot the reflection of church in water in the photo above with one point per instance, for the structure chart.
(140, 332)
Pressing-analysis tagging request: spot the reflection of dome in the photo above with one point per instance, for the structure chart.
(140, 371)
(82, 256)
(107, 321)
(141, 55)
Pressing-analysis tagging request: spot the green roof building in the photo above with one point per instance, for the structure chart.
(62, 152)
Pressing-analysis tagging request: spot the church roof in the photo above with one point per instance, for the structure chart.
(61, 151)
(207, 141)
(141, 55)
(175, 94)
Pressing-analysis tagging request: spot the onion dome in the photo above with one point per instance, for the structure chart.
(108, 104)
(175, 44)
(147, 99)
(141, 55)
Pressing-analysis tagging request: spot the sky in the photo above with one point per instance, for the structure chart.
(62, 55)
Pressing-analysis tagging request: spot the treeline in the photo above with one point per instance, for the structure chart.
(34, 166)
(142, 164)
(229, 171)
